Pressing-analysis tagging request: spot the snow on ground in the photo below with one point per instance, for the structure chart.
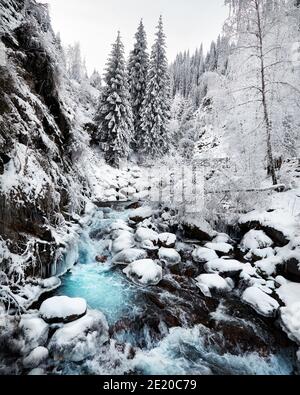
(62, 308)
(260, 301)
(208, 282)
(222, 265)
(144, 272)
(202, 255)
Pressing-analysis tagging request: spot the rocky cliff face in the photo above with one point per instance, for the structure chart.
(40, 189)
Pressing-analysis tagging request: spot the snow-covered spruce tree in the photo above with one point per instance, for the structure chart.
(137, 74)
(114, 115)
(154, 137)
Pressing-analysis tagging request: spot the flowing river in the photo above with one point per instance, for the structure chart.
(167, 329)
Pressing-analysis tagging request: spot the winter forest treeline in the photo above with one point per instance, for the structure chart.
(226, 101)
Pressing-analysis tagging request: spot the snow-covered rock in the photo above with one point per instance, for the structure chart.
(289, 293)
(222, 265)
(142, 195)
(128, 191)
(222, 238)
(169, 256)
(220, 247)
(123, 242)
(80, 339)
(119, 224)
(202, 255)
(269, 265)
(148, 245)
(128, 256)
(140, 214)
(36, 358)
(167, 240)
(35, 331)
(197, 227)
(258, 254)
(261, 302)
(62, 309)
(51, 283)
(213, 281)
(255, 239)
(146, 234)
(37, 372)
(280, 225)
(144, 272)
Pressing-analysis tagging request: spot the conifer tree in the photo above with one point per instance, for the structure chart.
(114, 117)
(154, 139)
(137, 74)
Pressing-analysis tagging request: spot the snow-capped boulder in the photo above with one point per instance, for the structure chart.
(143, 234)
(119, 224)
(144, 272)
(213, 281)
(169, 256)
(123, 242)
(36, 358)
(196, 227)
(221, 265)
(203, 255)
(128, 256)
(109, 193)
(37, 372)
(140, 214)
(167, 240)
(35, 331)
(257, 254)
(79, 339)
(221, 248)
(222, 238)
(280, 225)
(261, 302)
(289, 293)
(148, 245)
(51, 283)
(62, 309)
(255, 239)
(269, 265)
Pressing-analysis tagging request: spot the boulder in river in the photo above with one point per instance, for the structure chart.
(261, 302)
(203, 255)
(169, 256)
(80, 339)
(36, 358)
(144, 272)
(34, 330)
(213, 281)
(167, 240)
(222, 265)
(140, 214)
(196, 227)
(128, 256)
(62, 309)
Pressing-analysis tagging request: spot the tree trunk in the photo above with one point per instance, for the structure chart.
(271, 165)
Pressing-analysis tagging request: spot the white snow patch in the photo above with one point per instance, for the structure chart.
(220, 247)
(128, 256)
(255, 239)
(37, 356)
(169, 256)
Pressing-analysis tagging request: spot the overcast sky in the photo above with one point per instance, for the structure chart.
(94, 23)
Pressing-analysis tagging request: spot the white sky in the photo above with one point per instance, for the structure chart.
(94, 23)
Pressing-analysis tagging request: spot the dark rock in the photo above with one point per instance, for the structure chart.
(276, 235)
(292, 270)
